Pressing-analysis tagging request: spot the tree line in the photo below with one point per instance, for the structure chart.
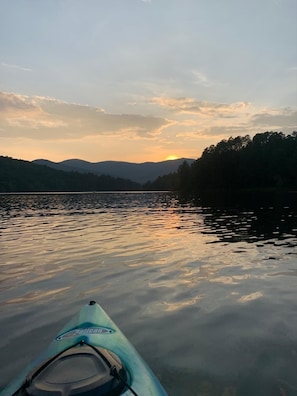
(23, 176)
(268, 160)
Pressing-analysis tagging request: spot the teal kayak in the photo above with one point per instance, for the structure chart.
(90, 356)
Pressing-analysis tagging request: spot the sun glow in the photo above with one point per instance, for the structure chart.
(171, 157)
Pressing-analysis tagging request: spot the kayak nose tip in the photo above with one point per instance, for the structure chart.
(92, 302)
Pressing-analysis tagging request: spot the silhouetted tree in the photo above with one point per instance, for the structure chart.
(269, 160)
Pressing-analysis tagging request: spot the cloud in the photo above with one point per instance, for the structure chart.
(16, 67)
(292, 69)
(19, 112)
(201, 79)
(187, 125)
(10, 101)
(280, 119)
(47, 118)
(224, 131)
(203, 118)
(201, 108)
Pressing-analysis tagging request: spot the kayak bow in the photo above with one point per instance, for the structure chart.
(90, 356)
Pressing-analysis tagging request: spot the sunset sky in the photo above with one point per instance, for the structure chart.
(143, 80)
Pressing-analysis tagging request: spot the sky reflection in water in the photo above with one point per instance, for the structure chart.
(205, 290)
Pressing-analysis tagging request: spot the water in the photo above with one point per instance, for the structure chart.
(206, 290)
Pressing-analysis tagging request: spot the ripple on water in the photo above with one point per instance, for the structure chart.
(206, 294)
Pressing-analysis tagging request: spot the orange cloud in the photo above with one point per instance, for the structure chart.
(201, 108)
(31, 117)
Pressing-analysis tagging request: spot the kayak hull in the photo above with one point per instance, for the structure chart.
(92, 326)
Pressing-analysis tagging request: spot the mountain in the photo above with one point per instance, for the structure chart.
(139, 173)
(23, 176)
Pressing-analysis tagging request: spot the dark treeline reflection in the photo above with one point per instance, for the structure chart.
(266, 216)
(249, 217)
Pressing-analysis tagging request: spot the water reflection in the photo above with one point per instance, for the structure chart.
(211, 280)
(250, 217)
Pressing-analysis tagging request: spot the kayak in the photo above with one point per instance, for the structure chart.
(90, 356)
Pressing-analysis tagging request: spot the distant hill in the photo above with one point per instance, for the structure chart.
(139, 173)
(23, 176)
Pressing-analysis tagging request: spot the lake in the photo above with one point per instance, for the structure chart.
(205, 289)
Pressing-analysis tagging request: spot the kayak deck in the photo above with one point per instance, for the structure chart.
(89, 356)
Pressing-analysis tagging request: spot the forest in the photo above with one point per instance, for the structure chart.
(23, 176)
(268, 160)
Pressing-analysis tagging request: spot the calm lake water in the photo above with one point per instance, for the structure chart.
(205, 290)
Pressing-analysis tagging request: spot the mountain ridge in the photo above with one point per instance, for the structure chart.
(138, 172)
(24, 176)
